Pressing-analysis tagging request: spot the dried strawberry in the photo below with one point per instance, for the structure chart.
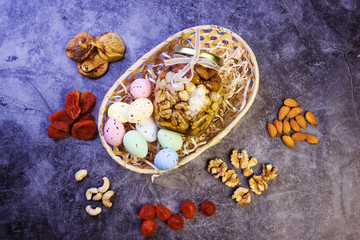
(61, 116)
(87, 102)
(72, 104)
(83, 129)
(58, 130)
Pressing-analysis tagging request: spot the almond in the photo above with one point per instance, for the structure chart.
(288, 141)
(284, 110)
(286, 126)
(298, 136)
(272, 130)
(291, 102)
(294, 112)
(294, 125)
(301, 121)
(278, 125)
(311, 139)
(310, 117)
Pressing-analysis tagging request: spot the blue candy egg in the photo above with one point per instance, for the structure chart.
(166, 159)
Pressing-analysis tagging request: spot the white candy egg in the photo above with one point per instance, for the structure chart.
(148, 128)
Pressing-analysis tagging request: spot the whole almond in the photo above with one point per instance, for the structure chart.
(286, 126)
(301, 121)
(271, 130)
(294, 112)
(294, 125)
(311, 139)
(298, 136)
(278, 125)
(288, 141)
(291, 102)
(284, 110)
(310, 117)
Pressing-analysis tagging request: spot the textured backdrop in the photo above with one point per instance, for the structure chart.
(307, 50)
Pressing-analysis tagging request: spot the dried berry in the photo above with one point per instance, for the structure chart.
(188, 208)
(58, 130)
(175, 222)
(80, 46)
(147, 212)
(83, 129)
(93, 66)
(163, 213)
(208, 208)
(72, 104)
(87, 102)
(111, 46)
(148, 227)
(61, 116)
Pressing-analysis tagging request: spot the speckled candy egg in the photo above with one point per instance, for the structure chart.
(118, 110)
(166, 159)
(114, 132)
(135, 143)
(139, 110)
(140, 88)
(148, 128)
(170, 139)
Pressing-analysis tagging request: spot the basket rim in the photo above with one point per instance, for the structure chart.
(218, 137)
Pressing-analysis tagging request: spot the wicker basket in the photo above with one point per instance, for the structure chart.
(210, 36)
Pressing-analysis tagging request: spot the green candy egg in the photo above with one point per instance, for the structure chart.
(170, 139)
(135, 143)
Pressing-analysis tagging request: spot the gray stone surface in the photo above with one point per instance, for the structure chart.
(307, 50)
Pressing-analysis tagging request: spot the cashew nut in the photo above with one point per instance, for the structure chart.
(105, 186)
(91, 211)
(79, 175)
(90, 192)
(97, 197)
(106, 198)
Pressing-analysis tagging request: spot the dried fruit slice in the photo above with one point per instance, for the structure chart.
(61, 116)
(87, 102)
(162, 212)
(93, 67)
(288, 141)
(310, 117)
(111, 46)
(84, 129)
(175, 222)
(148, 227)
(86, 116)
(80, 46)
(72, 104)
(284, 110)
(188, 208)
(58, 130)
(208, 208)
(291, 102)
(147, 212)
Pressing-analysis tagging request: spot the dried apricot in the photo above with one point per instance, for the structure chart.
(148, 227)
(188, 208)
(147, 212)
(61, 116)
(86, 116)
(208, 208)
(87, 102)
(72, 104)
(175, 222)
(58, 130)
(163, 213)
(83, 129)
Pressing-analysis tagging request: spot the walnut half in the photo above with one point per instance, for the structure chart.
(217, 167)
(269, 172)
(257, 184)
(230, 178)
(242, 195)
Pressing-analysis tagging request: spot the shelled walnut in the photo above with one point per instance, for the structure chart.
(242, 160)
(187, 108)
(242, 195)
(269, 172)
(257, 184)
(217, 167)
(230, 178)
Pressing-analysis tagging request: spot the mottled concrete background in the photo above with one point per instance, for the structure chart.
(307, 50)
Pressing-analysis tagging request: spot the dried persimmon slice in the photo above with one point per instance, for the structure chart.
(72, 104)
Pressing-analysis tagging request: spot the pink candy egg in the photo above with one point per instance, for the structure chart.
(140, 88)
(114, 132)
